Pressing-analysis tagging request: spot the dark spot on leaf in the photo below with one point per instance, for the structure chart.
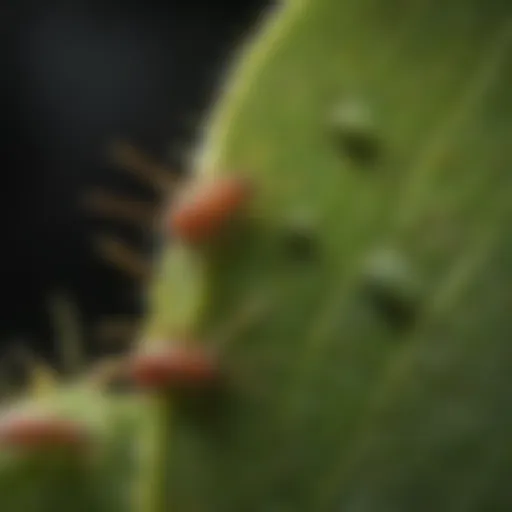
(300, 244)
(393, 289)
(354, 131)
(399, 310)
(362, 147)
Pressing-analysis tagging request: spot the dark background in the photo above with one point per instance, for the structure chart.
(75, 75)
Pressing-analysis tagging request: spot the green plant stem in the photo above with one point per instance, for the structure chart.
(151, 493)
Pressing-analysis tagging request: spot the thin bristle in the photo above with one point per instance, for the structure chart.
(142, 166)
(106, 372)
(134, 211)
(15, 369)
(68, 330)
(117, 330)
(123, 257)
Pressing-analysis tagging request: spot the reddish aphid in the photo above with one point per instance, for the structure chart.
(176, 367)
(41, 432)
(203, 214)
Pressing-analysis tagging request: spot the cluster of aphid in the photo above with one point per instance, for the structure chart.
(198, 218)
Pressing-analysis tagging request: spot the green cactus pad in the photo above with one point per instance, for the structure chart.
(335, 405)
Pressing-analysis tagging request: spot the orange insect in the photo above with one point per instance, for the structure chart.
(182, 367)
(35, 432)
(204, 214)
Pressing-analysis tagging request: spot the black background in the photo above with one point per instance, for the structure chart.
(75, 74)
